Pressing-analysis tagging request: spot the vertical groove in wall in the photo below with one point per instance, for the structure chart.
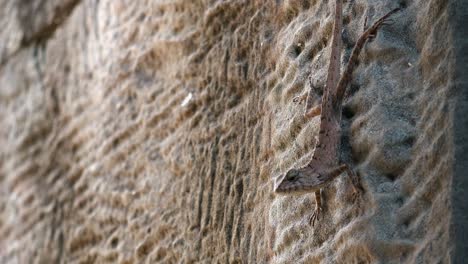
(459, 228)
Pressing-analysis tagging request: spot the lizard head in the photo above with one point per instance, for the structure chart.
(298, 181)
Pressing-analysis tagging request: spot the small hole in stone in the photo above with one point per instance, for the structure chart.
(348, 112)
(148, 230)
(404, 255)
(144, 249)
(409, 141)
(305, 4)
(399, 201)
(346, 20)
(391, 176)
(298, 49)
(114, 242)
(318, 89)
(406, 223)
(115, 143)
(403, 4)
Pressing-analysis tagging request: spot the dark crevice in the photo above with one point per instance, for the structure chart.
(45, 32)
(212, 174)
(459, 101)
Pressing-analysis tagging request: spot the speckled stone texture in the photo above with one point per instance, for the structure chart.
(153, 132)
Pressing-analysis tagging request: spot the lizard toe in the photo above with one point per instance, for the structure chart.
(315, 216)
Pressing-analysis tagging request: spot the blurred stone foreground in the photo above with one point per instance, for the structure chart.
(153, 132)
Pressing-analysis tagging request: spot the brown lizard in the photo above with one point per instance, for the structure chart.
(324, 167)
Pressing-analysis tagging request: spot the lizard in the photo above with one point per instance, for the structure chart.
(323, 168)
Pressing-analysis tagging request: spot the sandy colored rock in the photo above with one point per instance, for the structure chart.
(153, 132)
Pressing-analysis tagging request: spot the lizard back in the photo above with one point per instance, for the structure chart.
(326, 147)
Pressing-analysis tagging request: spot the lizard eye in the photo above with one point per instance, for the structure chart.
(292, 175)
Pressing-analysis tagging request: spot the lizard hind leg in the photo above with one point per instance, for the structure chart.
(355, 180)
(365, 24)
(318, 90)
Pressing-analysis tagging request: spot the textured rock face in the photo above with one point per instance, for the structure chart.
(153, 131)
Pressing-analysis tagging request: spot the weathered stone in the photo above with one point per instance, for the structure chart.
(152, 131)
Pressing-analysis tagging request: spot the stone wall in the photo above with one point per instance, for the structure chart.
(153, 131)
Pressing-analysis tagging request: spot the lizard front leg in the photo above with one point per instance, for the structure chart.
(309, 112)
(305, 96)
(301, 98)
(318, 208)
(308, 95)
(315, 111)
(329, 176)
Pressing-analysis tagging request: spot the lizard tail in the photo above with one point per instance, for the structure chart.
(371, 31)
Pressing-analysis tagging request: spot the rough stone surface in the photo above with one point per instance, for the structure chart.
(153, 131)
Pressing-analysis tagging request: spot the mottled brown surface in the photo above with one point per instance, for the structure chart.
(101, 160)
